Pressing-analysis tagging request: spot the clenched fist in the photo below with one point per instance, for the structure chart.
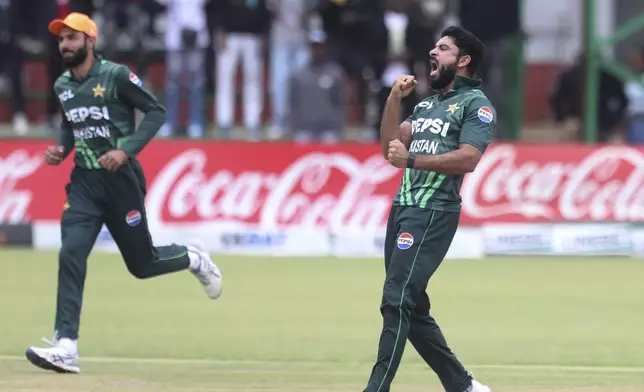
(403, 86)
(398, 154)
(54, 155)
(113, 160)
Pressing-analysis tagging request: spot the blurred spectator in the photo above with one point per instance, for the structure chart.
(186, 38)
(126, 25)
(318, 105)
(55, 67)
(243, 28)
(426, 18)
(351, 26)
(212, 8)
(494, 22)
(84, 6)
(635, 94)
(397, 24)
(18, 20)
(28, 21)
(567, 101)
(5, 44)
(288, 53)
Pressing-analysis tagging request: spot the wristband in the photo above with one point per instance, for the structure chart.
(411, 160)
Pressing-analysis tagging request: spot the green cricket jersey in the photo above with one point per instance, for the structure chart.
(439, 124)
(99, 113)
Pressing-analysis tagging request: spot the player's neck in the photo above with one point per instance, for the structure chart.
(450, 86)
(81, 71)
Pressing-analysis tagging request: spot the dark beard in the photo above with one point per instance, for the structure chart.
(77, 59)
(446, 75)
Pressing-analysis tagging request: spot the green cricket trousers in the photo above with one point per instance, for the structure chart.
(116, 199)
(416, 243)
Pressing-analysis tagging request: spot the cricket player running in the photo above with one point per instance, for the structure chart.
(107, 184)
(442, 140)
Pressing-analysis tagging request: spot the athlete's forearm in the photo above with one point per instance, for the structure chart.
(456, 162)
(390, 125)
(66, 140)
(149, 127)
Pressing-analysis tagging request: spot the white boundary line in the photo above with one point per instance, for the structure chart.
(312, 365)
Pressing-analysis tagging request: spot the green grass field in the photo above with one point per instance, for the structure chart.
(520, 324)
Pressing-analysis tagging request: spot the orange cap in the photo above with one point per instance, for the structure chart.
(76, 21)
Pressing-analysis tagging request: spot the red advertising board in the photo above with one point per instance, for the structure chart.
(285, 185)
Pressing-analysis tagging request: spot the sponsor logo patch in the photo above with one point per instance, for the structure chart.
(485, 114)
(133, 218)
(135, 79)
(405, 241)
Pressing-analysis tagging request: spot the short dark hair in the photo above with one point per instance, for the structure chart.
(468, 45)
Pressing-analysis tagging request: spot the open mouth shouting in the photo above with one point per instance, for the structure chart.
(434, 68)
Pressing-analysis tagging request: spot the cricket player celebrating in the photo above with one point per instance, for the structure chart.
(437, 145)
(107, 183)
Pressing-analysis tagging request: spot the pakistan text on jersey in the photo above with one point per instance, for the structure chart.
(83, 113)
(102, 131)
(434, 125)
(424, 146)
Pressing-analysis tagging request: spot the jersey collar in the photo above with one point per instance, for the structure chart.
(95, 70)
(96, 67)
(464, 82)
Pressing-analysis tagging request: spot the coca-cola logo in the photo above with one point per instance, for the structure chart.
(14, 202)
(606, 184)
(331, 190)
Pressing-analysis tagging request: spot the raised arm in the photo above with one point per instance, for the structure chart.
(390, 128)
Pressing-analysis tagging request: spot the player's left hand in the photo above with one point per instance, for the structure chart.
(398, 154)
(113, 160)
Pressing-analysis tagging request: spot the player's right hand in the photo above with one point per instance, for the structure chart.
(403, 86)
(54, 155)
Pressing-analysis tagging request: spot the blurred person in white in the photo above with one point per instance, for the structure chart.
(288, 52)
(318, 102)
(186, 37)
(242, 27)
(397, 24)
(634, 90)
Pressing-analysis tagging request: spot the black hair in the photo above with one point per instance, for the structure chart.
(468, 45)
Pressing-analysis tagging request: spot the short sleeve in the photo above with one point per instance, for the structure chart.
(479, 124)
(129, 89)
(410, 119)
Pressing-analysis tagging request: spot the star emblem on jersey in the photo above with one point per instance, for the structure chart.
(98, 90)
(452, 108)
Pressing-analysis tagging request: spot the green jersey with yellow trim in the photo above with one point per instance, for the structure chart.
(440, 124)
(99, 112)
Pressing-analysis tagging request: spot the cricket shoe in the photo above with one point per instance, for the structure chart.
(478, 387)
(205, 269)
(54, 358)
